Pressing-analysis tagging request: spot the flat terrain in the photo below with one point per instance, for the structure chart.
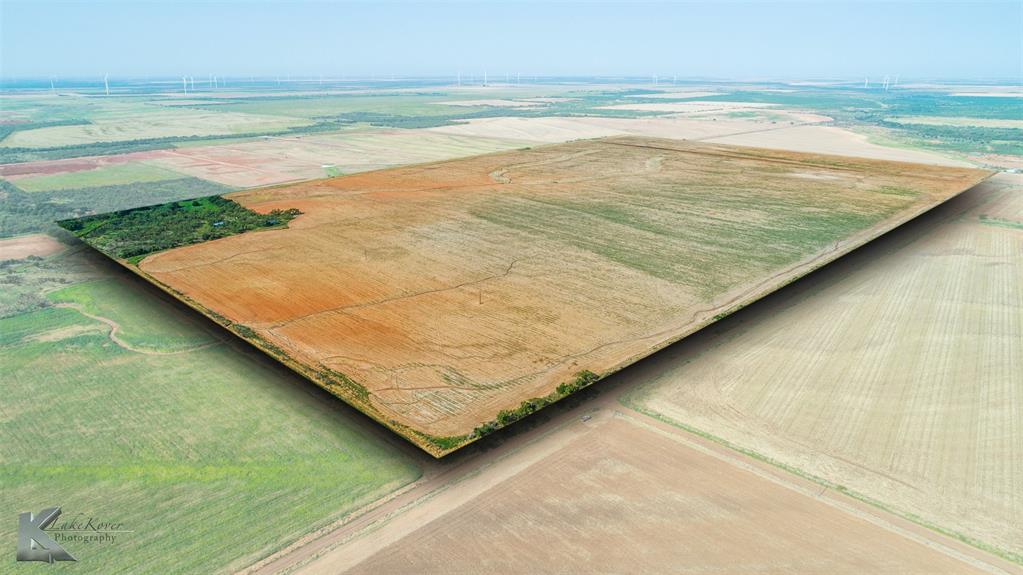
(120, 122)
(898, 375)
(436, 296)
(209, 452)
(280, 159)
(168, 427)
(615, 495)
(831, 140)
(101, 175)
(32, 245)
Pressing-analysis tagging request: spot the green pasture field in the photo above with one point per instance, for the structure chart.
(147, 323)
(211, 457)
(112, 175)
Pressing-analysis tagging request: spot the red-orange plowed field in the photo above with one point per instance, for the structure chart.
(434, 296)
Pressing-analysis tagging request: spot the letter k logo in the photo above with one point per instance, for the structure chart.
(33, 543)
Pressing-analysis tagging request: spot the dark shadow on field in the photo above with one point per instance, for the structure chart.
(622, 382)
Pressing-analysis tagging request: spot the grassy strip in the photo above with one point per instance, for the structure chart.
(984, 219)
(628, 401)
(506, 417)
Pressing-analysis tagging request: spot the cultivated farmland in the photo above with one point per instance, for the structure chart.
(614, 495)
(207, 451)
(896, 373)
(443, 299)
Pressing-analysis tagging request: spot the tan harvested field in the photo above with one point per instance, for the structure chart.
(678, 94)
(692, 107)
(434, 296)
(897, 373)
(832, 140)
(497, 103)
(613, 495)
(132, 122)
(275, 160)
(562, 129)
(23, 246)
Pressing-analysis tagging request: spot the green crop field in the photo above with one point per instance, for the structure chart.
(117, 174)
(210, 457)
(144, 322)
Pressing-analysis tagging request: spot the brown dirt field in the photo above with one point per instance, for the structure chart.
(451, 291)
(23, 246)
(45, 167)
(897, 372)
(592, 502)
(275, 160)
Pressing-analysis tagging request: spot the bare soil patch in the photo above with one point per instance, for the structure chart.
(620, 498)
(22, 247)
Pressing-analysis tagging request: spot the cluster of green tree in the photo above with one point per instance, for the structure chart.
(23, 212)
(506, 417)
(8, 129)
(14, 155)
(133, 234)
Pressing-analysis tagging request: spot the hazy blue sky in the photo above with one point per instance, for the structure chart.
(722, 39)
